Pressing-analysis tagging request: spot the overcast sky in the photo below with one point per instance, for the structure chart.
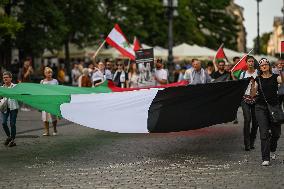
(267, 8)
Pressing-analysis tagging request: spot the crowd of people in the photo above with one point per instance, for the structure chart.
(265, 88)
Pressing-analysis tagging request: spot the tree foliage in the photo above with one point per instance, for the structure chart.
(263, 40)
(49, 24)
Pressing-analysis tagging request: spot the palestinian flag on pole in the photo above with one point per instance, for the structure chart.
(220, 55)
(240, 66)
(117, 40)
(136, 44)
(169, 108)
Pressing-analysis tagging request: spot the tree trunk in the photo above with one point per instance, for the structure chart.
(67, 59)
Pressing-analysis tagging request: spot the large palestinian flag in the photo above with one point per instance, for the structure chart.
(169, 108)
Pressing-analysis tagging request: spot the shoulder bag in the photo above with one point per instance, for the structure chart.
(275, 111)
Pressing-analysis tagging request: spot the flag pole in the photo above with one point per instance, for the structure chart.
(100, 47)
(128, 65)
(214, 60)
(242, 59)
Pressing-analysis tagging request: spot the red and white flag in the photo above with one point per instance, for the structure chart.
(117, 40)
(136, 44)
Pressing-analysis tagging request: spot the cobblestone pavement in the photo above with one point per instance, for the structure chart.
(80, 157)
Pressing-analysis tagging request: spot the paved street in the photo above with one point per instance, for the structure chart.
(86, 158)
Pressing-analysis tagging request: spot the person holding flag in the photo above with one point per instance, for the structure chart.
(248, 106)
(220, 60)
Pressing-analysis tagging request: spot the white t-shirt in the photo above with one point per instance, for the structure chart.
(75, 73)
(51, 82)
(161, 74)
(246, 74)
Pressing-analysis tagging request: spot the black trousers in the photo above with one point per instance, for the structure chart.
(281, 99)
(249, 117)
(269, 131)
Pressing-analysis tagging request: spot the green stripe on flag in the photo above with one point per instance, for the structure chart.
(237, 73)
(48, 97)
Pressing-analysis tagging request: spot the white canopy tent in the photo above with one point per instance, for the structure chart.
(231, 53)
(184, 51)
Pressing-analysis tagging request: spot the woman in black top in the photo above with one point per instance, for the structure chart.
(269, 87)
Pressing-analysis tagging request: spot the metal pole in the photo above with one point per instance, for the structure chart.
(170, 33)
(258, 39)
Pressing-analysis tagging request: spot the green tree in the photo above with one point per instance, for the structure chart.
(82, 21)
(263, 40)
(9, 27)
(214, 23)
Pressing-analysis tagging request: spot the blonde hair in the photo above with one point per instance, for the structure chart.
(47, 70)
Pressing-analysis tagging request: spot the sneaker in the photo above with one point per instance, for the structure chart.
(265, 163)
(11, 143)
(273, 156)
(45, 134)
(25, 109)
(54, 133)
(7, 141)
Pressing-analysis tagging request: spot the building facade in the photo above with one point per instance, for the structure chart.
(273, 46)
(237, 11)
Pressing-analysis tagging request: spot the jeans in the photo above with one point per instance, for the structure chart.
(249, 117)
(13, 117)
(269, 132)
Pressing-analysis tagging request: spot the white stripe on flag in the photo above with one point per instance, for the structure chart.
(118, 38)
(123, 112)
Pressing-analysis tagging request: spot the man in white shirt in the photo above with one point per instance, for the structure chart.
(160, 75)
(10, 111)
(196, 74)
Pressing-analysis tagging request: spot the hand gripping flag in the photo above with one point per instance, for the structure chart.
(117, 40)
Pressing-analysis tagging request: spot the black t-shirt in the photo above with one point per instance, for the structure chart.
(269, 88)
(217, 74)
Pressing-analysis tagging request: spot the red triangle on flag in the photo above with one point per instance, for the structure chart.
(220, 54)
(136, 44)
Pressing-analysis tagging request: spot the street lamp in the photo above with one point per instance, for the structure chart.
(170, 5)
(258, 39)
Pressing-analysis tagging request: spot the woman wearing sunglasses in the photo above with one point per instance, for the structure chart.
(265, 89)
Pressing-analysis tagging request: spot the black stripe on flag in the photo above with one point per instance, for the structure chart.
(195, 106)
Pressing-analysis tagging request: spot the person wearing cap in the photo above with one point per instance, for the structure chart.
(160, 74)
(196, 74)
(265, 89)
